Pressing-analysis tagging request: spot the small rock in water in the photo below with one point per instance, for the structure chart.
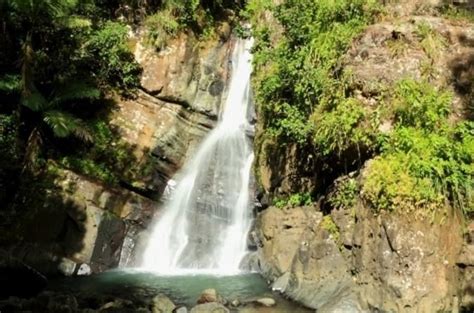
(208, 296)
(210, 308)
(162, 304)
(266, 301)
(67, 267)
(84, 270)
(182, 309)
(110, 305)
(235, 303)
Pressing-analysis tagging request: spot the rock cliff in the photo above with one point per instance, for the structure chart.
(81, 226)
(350, 258)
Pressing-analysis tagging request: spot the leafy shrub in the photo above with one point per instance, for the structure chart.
(294, 200)
(328, 224)
(108, 159)
(345, 194)
(431, 40)
(108, 52)
(161, 26)
(419, 104)
(343, 128)
(298, 72)
(421, 170)
(457, 13)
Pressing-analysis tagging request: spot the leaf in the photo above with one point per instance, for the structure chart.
(76, 91)
(35, 101)
(64, 125)
(10, 83)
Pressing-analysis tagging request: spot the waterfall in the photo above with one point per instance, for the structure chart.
(207, 215)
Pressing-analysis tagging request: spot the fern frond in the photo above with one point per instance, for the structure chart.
(34, 101)
(64, 125)
(75, 91)
(10, 83)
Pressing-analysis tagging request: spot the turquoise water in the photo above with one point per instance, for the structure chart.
(183, 290)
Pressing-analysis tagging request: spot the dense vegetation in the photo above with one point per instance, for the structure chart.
(64, 61)
(62, 64)
(304, 96)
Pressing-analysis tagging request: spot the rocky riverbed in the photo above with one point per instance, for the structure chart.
(132, 291)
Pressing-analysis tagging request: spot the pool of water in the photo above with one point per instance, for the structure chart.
(182, 289)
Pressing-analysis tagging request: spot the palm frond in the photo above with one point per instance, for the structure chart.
(44, 8)
(75, 91)
(34, 101)
(64, 125)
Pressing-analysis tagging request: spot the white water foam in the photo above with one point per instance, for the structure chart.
(204, 225)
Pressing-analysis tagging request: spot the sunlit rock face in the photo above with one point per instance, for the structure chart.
(182, 92)
(386, 262)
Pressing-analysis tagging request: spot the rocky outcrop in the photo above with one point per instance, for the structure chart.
(84, 230)
(465, 263)
(81, 226)
(182, 90)
(416, 47)
(360, 260)
(187, 72)
(354, 260)
(163, 135)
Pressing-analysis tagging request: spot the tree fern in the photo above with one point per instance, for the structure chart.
(75, 90)
(64, 124)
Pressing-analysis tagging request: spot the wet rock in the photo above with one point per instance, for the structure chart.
(210, 295)
(266, 302)
(162, 304)
(210, 308)
(84, 270)
(182, 309)
(67, 267)
(235, 303)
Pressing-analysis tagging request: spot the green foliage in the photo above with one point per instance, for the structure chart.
(457, 13)
(175, 16)
(108, 52)
(328, 224)
(10, 84)
(423, 170)
(161, 27)
(294, 200)
(107, 158)
(299, 72)
(345, 195)
(431, 40)
(419, 104)
(343, 128)
(301, 92)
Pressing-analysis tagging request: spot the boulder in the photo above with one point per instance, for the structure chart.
(210, 295)
(266, 301)
(182, 309)
(385, 261)
(210, 308)
(162, 304)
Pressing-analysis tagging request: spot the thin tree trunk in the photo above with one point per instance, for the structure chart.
(32, 151)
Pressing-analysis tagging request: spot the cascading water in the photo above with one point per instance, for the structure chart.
(207, 217)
